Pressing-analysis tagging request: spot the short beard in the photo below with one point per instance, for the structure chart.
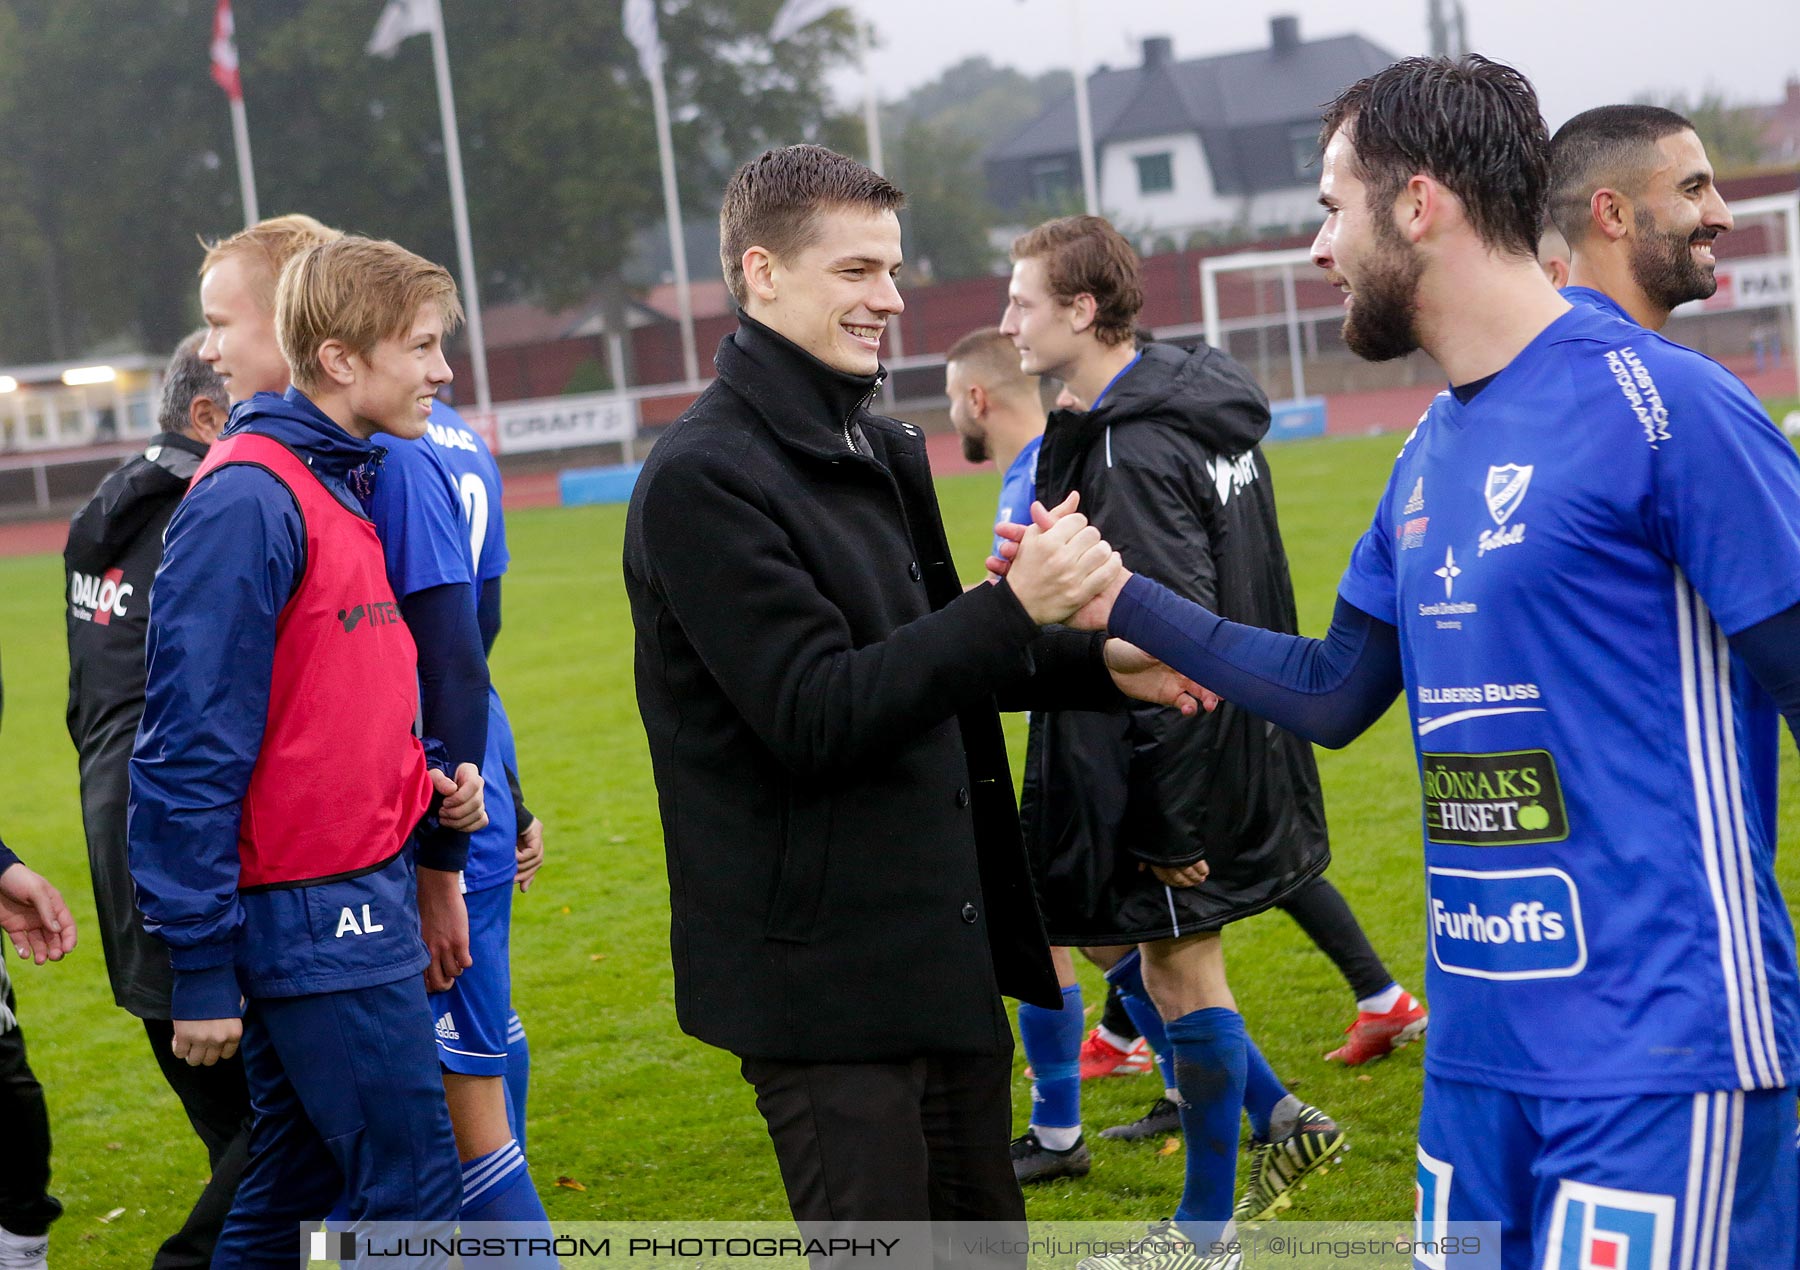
(974, 447)
(1663, 265)
(1382, 323)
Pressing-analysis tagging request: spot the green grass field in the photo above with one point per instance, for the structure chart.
(633, 1119)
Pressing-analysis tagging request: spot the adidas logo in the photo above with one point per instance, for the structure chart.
(1416, 503)
(446, 1028)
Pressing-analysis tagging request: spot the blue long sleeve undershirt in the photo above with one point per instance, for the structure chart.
(1332, 690)
(1327, 690)
(453, 694)
(487, 614)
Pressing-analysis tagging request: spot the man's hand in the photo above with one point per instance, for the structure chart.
(34, 917)
(463, 810)
(1188, 875)
(444, 925)
(1140, 675)
(1061, 565)
(1092, 615)
(203, 1042)
(530, 853)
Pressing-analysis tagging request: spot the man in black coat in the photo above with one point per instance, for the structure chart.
(114, 548)
(1145, 828)
(847, 880)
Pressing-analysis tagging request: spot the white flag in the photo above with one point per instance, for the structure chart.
(640, 29)
(401, 20)
(795, 15)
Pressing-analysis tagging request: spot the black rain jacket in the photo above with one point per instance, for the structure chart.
(115, 545)
(1169, 468)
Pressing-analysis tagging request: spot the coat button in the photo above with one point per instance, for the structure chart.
(968, 913)
(962, 797)
(914, 570)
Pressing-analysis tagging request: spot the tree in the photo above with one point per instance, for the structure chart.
(1731, 134)
(943, 127)
(119, 150)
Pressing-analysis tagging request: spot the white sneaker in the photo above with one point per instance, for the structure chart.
(23, 1252)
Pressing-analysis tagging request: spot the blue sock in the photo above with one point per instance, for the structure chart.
(1262, 1090)
(497, 1188)
(1209, 1071)
(518, 1075)
(1127, 975)
(1053, 1047)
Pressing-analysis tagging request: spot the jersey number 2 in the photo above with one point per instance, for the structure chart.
(475, 507)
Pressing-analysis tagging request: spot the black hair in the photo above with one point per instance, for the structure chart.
(1606, 146)
(1472, 125)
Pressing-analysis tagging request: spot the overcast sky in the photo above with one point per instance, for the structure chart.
(1579, 53)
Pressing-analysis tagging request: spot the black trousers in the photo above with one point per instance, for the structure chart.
(217, 1104)
(26, 1206)
(1324, 914)
(919, 1141)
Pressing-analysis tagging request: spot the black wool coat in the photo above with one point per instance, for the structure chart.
(1169, 467)
(846, 876)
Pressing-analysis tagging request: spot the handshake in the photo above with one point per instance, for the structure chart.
(1059, 567)
(1064, 572)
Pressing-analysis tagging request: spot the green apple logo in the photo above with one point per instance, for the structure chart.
(1534, 817)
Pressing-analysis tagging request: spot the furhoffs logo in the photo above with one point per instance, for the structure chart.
(378, 613)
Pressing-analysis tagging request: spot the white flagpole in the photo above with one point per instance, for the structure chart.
(459, 212)
(1084, 118)
(665, 145)
(240, 133)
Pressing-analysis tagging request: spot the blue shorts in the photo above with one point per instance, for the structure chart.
(472, 1017)
(1648, 1182)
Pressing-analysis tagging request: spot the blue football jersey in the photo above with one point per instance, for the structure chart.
(1564, 557)
(436, 505)
(1018, 488)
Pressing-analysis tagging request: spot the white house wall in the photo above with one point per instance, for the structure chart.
(1193, 201)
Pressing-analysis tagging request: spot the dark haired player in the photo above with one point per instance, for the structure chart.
(1585, 573)
(1632, 191)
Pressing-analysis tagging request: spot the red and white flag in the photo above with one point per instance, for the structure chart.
(224, 52)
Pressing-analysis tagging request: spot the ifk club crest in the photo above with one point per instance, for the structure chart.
(1505, 490)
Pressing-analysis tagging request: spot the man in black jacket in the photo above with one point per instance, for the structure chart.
(114, 547)
(1145, 828)
(847, 881)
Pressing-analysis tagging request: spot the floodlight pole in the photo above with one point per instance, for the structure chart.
(1084, 116)
(459, 215)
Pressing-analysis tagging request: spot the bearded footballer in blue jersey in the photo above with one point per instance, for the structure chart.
(436, 503)
(1632, 192)
(1585, 575)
